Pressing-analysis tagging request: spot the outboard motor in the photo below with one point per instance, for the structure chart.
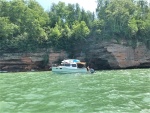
(92, 70)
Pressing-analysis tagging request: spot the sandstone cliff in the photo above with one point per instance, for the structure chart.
(104, 55)
(110, 55)
(41, 60)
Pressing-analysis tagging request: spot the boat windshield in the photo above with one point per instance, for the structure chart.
(74, 65)
(80, 65)
(67, 65)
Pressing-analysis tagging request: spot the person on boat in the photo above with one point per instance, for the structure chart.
(91, 70)
(88, 68)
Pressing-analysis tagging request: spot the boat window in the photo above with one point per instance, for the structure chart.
(62, 64)
(81, 66)
(73, 65)
(67, 65)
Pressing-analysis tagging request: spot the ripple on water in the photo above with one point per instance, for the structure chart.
(147, 100)
(145, 111)
(33, 96)
(127, 73)
(105, 91)
(132, 104)
(70, 104)
(57, 93)
(52, 103)
(5, 106)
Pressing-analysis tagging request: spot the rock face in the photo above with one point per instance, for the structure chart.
(104, 55)
(117, 56)
(41, 60)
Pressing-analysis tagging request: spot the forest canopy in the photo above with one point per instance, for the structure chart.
(26, 26)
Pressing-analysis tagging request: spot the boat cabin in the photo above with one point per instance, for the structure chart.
(71, 66)
(73, 63)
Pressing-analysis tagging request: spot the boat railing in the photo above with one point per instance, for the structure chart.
(54, 65)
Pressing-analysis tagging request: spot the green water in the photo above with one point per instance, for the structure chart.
(117, 91)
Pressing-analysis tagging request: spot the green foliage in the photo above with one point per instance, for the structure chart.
(45, 60)
(97, 27)
(133, 28)
(123, 19)
(69, 25)
(25, 26)
(7, 28)
(80, 30)
(22, 25)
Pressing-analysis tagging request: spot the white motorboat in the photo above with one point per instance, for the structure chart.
(70, 66)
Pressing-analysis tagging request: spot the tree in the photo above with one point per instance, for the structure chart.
(80, 30)
(30, 19)
(7, 29)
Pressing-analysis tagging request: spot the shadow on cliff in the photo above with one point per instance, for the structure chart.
(99, 64)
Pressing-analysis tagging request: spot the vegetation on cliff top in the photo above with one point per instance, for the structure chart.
(25, 26)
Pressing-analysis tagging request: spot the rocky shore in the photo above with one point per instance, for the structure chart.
(99, 56)
(119, 56)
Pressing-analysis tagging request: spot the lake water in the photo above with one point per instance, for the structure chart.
(115, 91)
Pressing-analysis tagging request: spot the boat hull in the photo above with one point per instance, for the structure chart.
(68, 70)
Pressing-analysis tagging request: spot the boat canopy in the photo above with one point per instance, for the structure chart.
(71, 61)
(76, 60)
(83, 63)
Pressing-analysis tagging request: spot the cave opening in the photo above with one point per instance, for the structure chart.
(99, 64)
